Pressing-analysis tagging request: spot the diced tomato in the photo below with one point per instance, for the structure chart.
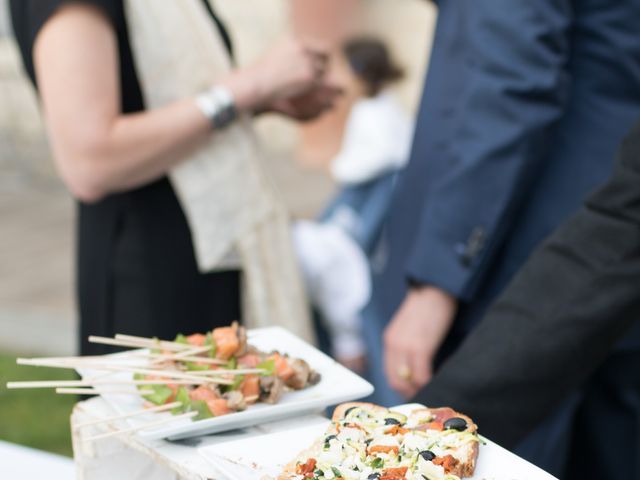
(382, 449)
(448, 462)
(250, 360)
(227, 343)
(306, 469)
(197, 339)
(393, 473)
(431, 426)
(250, 388)
(283, 369)
(218, 407)
(396, 430)
(203, 393)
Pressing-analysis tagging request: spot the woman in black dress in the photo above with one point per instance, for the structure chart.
(136, 268)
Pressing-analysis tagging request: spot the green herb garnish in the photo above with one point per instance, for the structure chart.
(269, 367)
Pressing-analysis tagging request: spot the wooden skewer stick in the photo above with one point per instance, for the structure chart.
(160, 357)
(88, 364)
(125, 368)
(88, 358)
(91, 383)
(141, 427)
(138, 344)
(160, 408)
(93, 391)
(182, 356)
(154, 343)
(239, 371)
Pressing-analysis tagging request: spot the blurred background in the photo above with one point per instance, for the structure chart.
(37, 313)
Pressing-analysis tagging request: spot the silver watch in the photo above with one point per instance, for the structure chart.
(218, 105)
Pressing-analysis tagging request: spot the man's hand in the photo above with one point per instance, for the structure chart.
(414, 336)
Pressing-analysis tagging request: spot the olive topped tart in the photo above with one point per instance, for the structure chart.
(369, 442)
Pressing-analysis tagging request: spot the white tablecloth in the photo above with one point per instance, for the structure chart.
(17, 462)
(132, 458)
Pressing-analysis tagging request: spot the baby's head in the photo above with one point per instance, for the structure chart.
(371, 64)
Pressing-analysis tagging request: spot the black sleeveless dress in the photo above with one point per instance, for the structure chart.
(136, 269)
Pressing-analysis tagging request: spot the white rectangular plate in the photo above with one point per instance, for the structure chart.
(337, 385)
(256, 457)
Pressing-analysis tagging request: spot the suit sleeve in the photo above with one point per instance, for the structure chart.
(556, 322)
(515, 88)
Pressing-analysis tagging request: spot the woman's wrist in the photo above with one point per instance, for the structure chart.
(246, 90)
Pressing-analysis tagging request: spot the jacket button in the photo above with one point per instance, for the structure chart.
(472, 248)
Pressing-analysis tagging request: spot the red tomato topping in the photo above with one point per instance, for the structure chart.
(383, 449)
(396, 429)
(306, 469)
(393, 473)
(448, 462)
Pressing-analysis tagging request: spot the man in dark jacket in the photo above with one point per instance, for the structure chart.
(523, 107)
(549, 334)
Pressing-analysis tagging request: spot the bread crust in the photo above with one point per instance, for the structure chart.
(462, 469)
(448, 413)
(338, 413)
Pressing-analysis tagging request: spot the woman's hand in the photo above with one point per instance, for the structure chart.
(288, 79)
(307, 106)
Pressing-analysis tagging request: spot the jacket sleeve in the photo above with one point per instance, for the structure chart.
(556, 322)
(515, 88)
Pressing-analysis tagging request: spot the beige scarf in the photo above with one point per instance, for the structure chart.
(229, 202)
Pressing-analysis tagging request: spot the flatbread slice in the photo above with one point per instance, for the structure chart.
(369, 442)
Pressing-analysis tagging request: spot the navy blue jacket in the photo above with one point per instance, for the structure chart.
(523, 107)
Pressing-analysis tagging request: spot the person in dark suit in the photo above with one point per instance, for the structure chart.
(523, 107)
(551, 330)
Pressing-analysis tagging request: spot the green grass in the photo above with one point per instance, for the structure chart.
(37, 418)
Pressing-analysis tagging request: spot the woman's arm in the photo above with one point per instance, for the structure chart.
(97, 149)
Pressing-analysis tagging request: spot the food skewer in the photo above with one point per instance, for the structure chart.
(93, 391)
(150, 342)
(84, 383)
(185, 366)
(185, 356)
(160, 408)
(190, 375)
(137, 344)
(161, 357)
(141, 427)
(238, 371)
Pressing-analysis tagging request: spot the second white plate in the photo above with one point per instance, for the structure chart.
(337, 385)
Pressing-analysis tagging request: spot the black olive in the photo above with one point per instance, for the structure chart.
(330, 437)
(456, 423)
(391, 421)
(373, 476)
(346, 412)
(428, 455)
